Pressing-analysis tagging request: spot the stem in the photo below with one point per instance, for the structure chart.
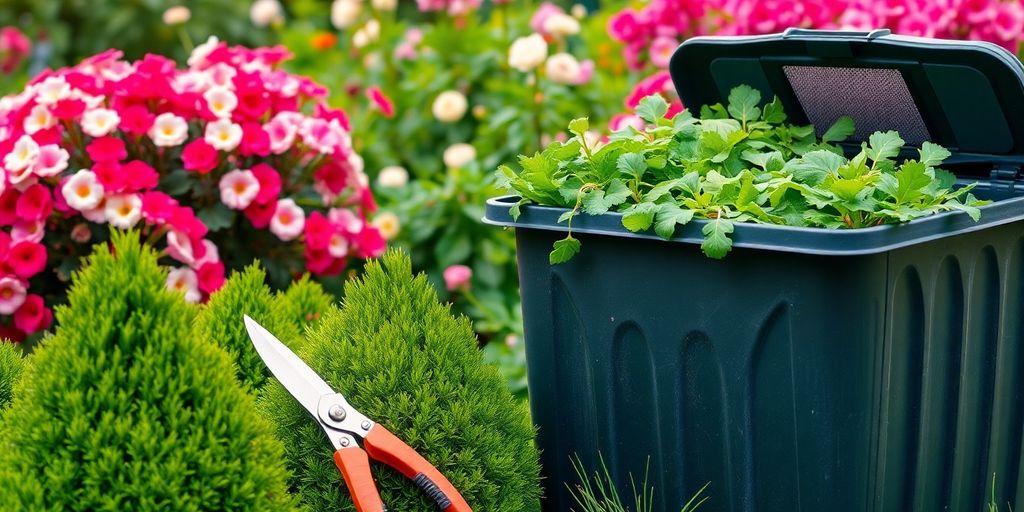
(186, 41)
(538, 124)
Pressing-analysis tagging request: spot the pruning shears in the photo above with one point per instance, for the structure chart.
(345, 426)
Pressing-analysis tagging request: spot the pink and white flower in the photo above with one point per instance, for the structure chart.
(221, 101)
(24, 154)
(184, 281)
(99, 122)
(123, 210)
(223, 134)
(52, 90)
(288, 220)
(38, 119)
(168, 130)
(282, 133)
(12, 294)
(238, 188)
(82, 191)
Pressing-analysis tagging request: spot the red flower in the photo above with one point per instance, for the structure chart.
(199, 156)
(35, 203)
(111, 176)
(255, 140)
(139, 175)
(270, 183)
(33, 315)
(68, 109)
(386, 106)
(26, 259)
(211, 276)
(260, 214)
(106, 149)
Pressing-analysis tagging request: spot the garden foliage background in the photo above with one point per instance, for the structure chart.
(437, 93)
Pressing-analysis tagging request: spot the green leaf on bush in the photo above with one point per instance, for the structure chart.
(933, 155)
(668, 216)
(599, 202)
(579, 126)
(217, 217)
(743, 102)
(839, 131)
(563, 250)
(176, 182)
(639, 217)
(716, 238)
(632, 164)
(652, 108)
(884, 145)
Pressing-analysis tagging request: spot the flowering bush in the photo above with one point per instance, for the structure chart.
(454, 92)
(14, 48)
(226, 159)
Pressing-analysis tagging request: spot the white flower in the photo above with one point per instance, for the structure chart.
(388, 225)
(372, 29)
(212, 255)
(96, 215)
(52, 160)
(52, 90)
(238, 188)
(579, 11)
(265, 12)
(99, 122)
(82, 191)
(384, 5)
(459, 155)
(168, 130)
(563, 68)
(393, 176)
(177, 15)
(220, 100)
(223, 134)
(449, 106)
(201, 52)
(526, 53)
(360, 39)
(338, 245)
(186, 281)
(23, 154)
(288, 220)
(123, 210)
(344, 13)
(221, 74)
(39, 118)
(561, 25)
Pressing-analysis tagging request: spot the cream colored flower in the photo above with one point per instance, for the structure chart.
(563, 68)
(388, 225)
(384, 5)
(561, 25)
(459, 155)
(344, 13)
(177, 15)
(393, 176)
(450, 106)
(526, 53)
(266, 12)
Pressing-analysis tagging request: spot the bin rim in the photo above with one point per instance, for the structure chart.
(769, 237)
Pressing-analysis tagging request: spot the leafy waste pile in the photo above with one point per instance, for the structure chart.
(740, 163)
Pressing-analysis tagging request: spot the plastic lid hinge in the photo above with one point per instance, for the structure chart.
(1008, 177)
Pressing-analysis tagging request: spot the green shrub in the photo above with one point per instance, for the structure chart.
(124, 409)
(401, 358)
(304, 302)
(220, 321)
(11, 364)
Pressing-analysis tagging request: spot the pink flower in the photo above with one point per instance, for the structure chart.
(259, 214)
(30, 230)
(12, 294)
(238, 189)
(110, 176)
(255, 141)
(624, 26)
(35, 203)
(281, 132)
(135, 119)
(33, 315)
(457, 277)
(381, 101)
(199, 156)
(586, 72)
(14, 48)
(26, 259)
(661, 51)
(211, 276)
(52, 160)
(157, 207)
(545, 11)
(288, 220)
(139, 175)
(179, 247)
(106, 149)
(270, 183)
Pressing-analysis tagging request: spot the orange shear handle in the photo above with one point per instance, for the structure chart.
(355, 468)
(384, 446)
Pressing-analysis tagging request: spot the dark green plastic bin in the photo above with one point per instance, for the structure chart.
(810, 370)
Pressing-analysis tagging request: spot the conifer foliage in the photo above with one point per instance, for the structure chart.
(400, 357)
(125, 409)
(304, 302)
(220, 321)
(11, 364)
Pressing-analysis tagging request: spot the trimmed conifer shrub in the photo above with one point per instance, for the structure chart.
(125, 409)
(400, 357)
(220, 321)
(11, 363)
(304, 302)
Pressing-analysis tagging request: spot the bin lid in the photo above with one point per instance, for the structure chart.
(965, 95)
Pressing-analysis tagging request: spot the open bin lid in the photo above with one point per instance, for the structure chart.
(965, 95)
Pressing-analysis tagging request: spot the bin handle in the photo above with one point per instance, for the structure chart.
(806, 32)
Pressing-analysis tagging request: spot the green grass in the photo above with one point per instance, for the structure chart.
(599, 494)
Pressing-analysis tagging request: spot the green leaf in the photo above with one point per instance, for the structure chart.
(639, 217)
(884, 145)
(933, 155)
(632, 164)
(652, 108)
(598, 202)
(840, 130)
(668, 216)
(176, 182)
(773, 112)
(217, 217)
(743, 101)
(716, 238)
(579, 126)
(563, 250)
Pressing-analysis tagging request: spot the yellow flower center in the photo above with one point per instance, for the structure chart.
(83, 190)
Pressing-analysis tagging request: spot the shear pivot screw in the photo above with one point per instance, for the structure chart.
(336, 412)
(365, 425)
(343, 441)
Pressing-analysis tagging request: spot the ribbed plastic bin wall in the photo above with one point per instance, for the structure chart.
(887, 376)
